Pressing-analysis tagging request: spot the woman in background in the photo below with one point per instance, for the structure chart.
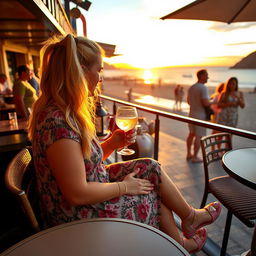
(229, 101)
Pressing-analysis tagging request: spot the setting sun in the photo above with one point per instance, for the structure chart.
(147, 76)
(144, 41)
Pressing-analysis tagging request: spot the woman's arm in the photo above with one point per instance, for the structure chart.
(67, 164)
(66, 161)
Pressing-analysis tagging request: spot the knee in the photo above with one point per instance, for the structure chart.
(148, 166)
(149, 161)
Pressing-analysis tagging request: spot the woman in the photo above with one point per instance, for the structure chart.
(72, 181)
(229, 101)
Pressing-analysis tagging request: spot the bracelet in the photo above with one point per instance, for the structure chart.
(119, 189)
(125, 187)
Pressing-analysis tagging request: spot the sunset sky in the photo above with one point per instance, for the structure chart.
(145, 41)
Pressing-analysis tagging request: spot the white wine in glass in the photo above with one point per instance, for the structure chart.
(126, 119)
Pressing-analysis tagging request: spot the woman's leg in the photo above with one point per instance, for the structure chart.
(174, 201)
(168, 225)
(172, 198)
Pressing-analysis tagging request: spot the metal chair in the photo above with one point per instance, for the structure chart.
(20, 181)
(237, 198)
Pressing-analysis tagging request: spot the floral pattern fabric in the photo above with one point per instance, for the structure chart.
(229, 115)
(55, 209)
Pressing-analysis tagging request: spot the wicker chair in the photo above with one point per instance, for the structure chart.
(20, 181)
(237, 198)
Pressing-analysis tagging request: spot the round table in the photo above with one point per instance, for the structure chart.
(241, 165)
(98, 237)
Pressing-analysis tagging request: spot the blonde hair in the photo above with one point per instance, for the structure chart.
(64, 82)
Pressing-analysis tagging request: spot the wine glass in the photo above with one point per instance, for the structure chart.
(126, 119)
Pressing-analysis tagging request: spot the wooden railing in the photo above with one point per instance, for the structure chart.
(53, 13)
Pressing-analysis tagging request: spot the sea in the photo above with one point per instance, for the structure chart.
(185, 75)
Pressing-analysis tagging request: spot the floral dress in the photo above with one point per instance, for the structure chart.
(229, 115)
(55, 209)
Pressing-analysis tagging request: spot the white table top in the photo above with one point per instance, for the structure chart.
(241, 165)
(98, 237)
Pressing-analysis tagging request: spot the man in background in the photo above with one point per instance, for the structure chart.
(24, 94)
(34, 81)
(198, 99)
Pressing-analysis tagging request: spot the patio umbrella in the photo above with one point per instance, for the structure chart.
(217, 10)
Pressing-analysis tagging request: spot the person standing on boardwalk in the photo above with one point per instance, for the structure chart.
(176, 97)
(129, 95)
(180, 97)
(198, 99)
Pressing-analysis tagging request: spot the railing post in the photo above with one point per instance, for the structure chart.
(114, 108)
(156, 144)
(114, 112)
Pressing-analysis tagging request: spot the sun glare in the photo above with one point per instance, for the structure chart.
(147, 99)
(148, 76)
(152, 43)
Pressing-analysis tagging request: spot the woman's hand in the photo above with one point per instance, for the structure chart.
(135, 186)
(119, 138)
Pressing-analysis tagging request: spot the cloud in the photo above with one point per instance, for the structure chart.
(224, 27)
(241, 43)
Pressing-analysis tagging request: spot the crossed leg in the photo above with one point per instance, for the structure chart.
(173, 201)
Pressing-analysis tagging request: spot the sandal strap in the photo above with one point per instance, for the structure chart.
(211, 209)
(200, 239)
(197, 240)
(192, 214)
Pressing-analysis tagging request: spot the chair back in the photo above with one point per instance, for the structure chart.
(19, 180)
(213, 147)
